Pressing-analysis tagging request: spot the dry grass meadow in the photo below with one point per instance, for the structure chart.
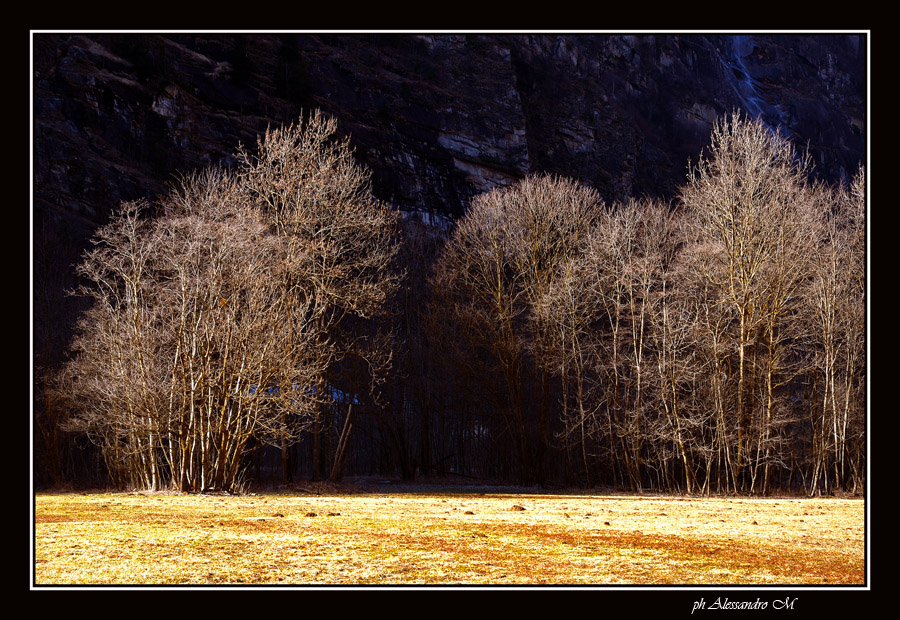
(441, 537)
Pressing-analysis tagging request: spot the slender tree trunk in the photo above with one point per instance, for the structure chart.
(317, 445)
(338, 465)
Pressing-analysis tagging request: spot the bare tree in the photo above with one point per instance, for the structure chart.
(114, 346)
(746, 199)
(569, 311)
(243, 348)
(646, 241)
(184, 335)
(608, 308)
(663, 325)
(492, 277)
(223, 317)
(836, 297)
(787, 270)
(341, 242)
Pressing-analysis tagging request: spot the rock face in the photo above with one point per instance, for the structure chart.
(437, 117)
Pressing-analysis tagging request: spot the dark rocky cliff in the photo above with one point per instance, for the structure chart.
(437, 117)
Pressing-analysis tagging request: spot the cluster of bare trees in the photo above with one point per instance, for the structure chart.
(489, 284)
(219, 320)
(712, 344)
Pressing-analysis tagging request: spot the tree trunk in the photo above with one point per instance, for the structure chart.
(337, 467)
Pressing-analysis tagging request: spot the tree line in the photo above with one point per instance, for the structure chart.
(712, 343)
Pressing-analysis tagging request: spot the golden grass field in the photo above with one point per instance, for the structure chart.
(442, 538)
